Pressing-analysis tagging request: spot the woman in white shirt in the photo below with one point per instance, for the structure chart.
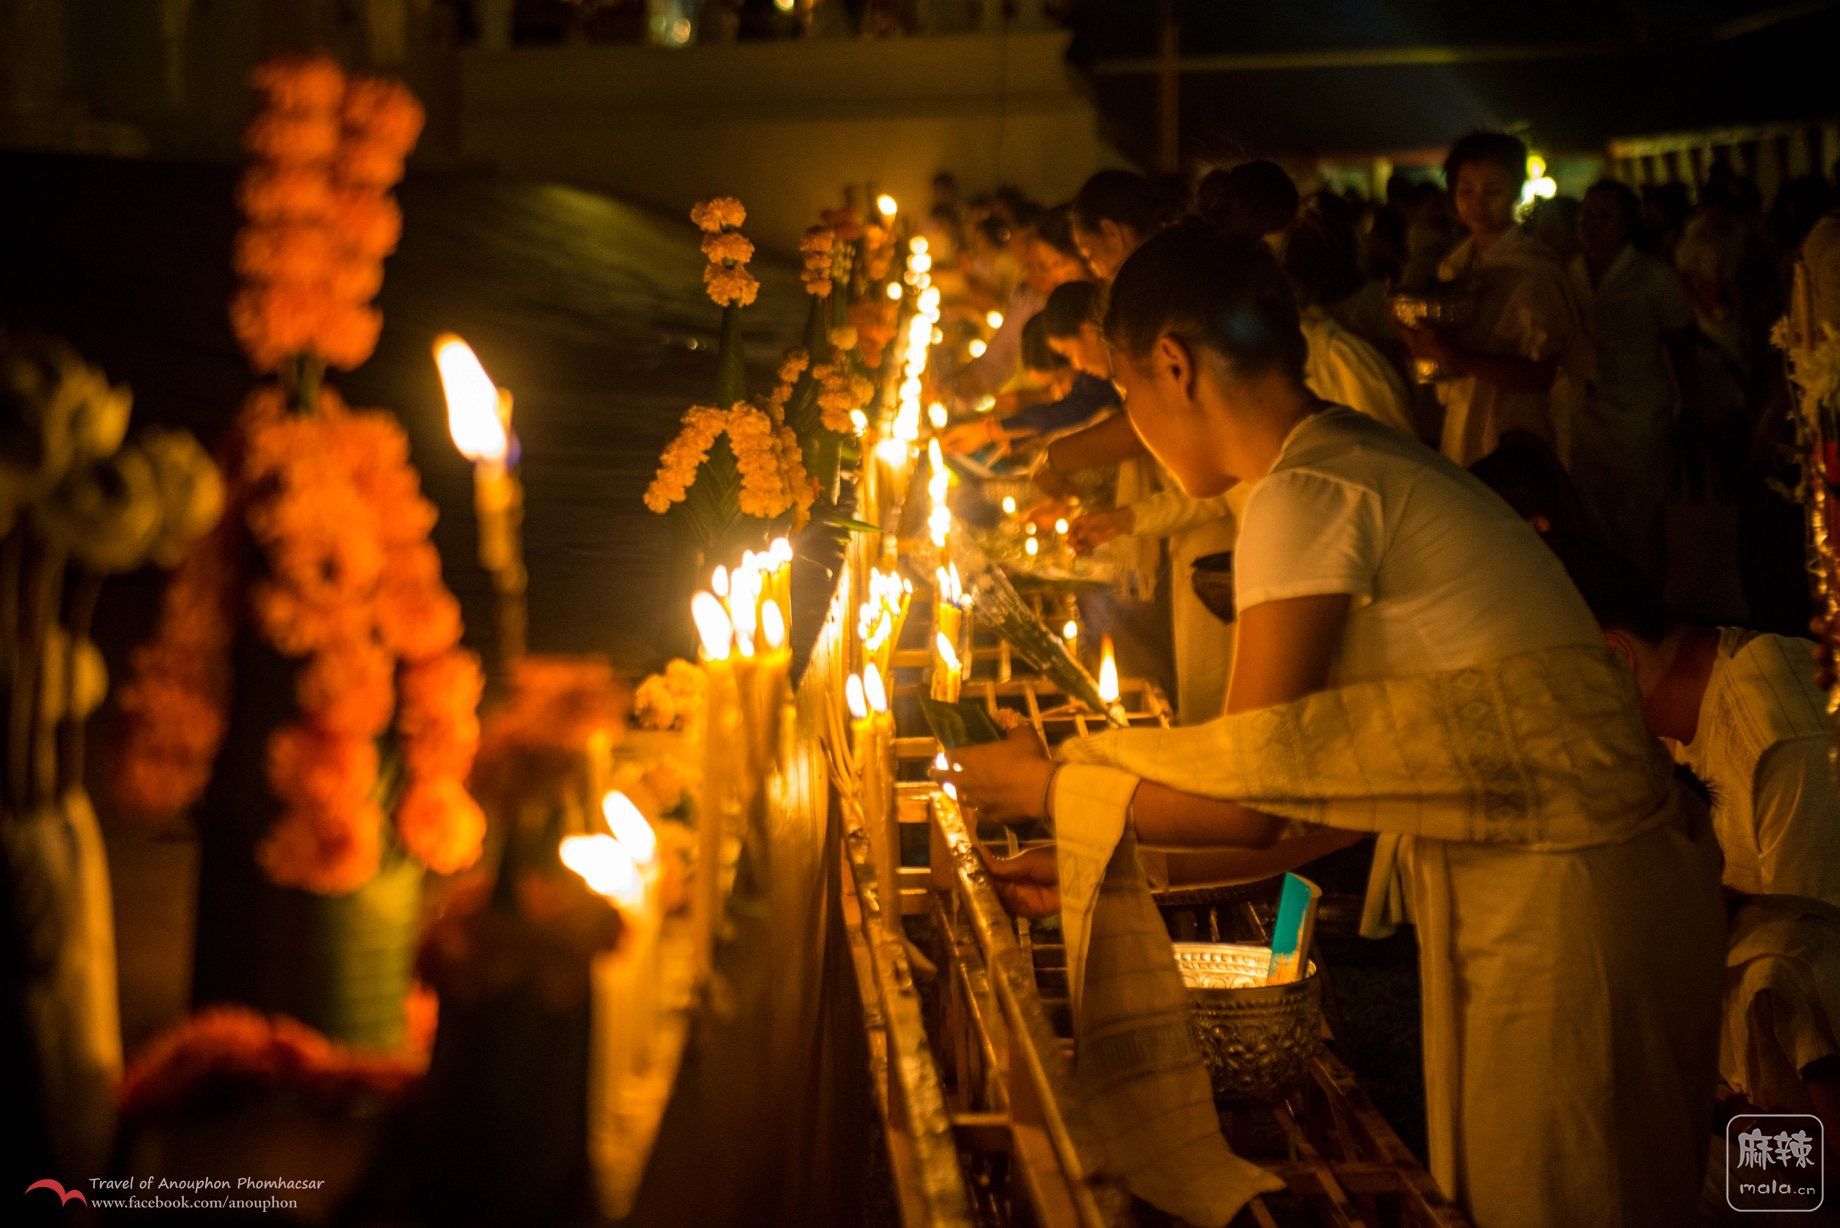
(1569, 986)
(1524, 360)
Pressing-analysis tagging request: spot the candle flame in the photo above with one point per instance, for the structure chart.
(773, 626)
(853, 695)
(1031, 547)
(1009, 505)
(936, 414)
(1108, 673)
(994, 319)
(712, 626)
(718, 581)
(1071, 631)
(606, 866)
(873, 690)
(945, 765)
(780, 551)
(1060, 526)
(918, 246)
(473, 402)
(885, 205)
(894, 289)
(948, 655)
(630, 827)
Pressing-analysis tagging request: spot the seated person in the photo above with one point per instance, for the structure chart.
(1057, 399)
(1741, 710)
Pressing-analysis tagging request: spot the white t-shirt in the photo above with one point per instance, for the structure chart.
(1341, 368)
(1444, 575)
(1762, 748)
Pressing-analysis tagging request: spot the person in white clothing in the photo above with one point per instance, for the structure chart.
(1524, 360)
(1570, 983)
(1743, 712)
(1642, 336)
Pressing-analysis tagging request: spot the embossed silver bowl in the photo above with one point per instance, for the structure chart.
(1256, 1039)
(1445, 305)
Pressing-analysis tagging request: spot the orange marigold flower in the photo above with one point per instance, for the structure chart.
(730, 287)
(307, 765)
(718, 213)
(282, 252)
(325, 852)
(292, 139)
(727, 246)
(683, 457)
(273, 323)
(346, 689)
(347, 334)
(368, 223)
(353, 279)
(284, 194)
(440, 824)
(300, 83)
(416, 621)
(382, 112)
(297, 626)
(367, 164)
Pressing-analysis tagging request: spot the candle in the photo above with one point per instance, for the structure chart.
(946, 672)
(721, 728)
(479, 418)
(780, 553)
(938, 486)
(634, 833)
(943, 764)
(879, 813)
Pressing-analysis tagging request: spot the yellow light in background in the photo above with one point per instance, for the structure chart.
(894, 289)
(976, 348)
(1009, 505)
(918, 246)
(1108, 672)
(1060, 526)
(1071, 631)
(885, 205)
(473, 413)
(873, 690)
(943, 764)
(630, 827)
(1031, 547)
(853, 695)
(994, 318)
(936, 414)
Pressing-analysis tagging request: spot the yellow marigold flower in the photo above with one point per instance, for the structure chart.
(794, 366)
(727, 246)
(683, 457)
(718, 213)
(843, 338)
(730, 287)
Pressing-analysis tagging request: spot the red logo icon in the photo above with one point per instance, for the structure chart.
(57, 1187)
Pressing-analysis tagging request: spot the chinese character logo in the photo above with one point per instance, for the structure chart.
(1774, 1162)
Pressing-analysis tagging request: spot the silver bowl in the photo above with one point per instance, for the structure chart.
(1445, 305)
(1256, 1039)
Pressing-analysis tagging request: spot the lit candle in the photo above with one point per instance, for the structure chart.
(721, 728)
(886, 206)
(609, 870)
(947, 675)
(879, 812)
(1108, 681)
(479, 418)
(1071, 632)
(938, 487)
(634, 833)
(780, 554)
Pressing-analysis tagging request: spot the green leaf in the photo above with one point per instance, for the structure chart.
(838, 520)
(731, 361)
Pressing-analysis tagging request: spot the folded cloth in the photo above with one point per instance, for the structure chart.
(1565, 904)
(1135, 1059)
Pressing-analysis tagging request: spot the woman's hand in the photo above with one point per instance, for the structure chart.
(1029, 884)
(1005, 782)
(1089, 532)
(1431, 345)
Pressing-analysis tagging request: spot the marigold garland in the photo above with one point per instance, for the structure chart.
(325, 152)
(817, 247)
(331, 512)
(727, 279)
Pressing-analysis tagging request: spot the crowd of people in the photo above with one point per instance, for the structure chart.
(1614, 828)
